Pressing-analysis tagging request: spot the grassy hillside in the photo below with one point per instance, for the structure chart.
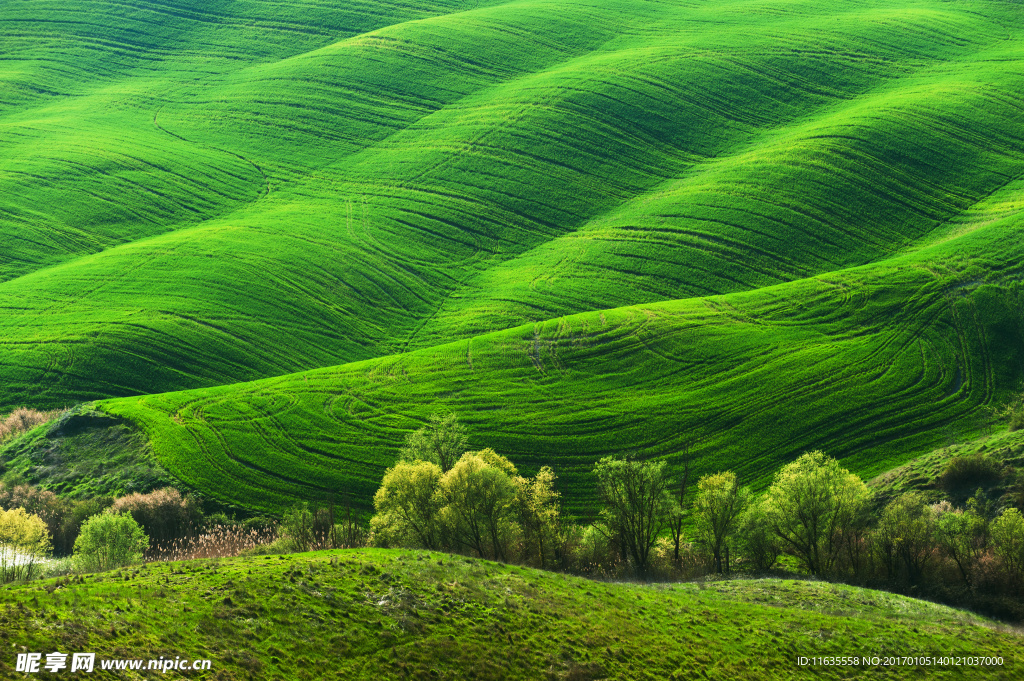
(748, 380)
(753, 228)
(399, 614)
(403, 179)
(997, 471)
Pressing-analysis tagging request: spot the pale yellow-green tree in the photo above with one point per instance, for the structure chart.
(810, 504)
(479, 504)
(540, 515)
(408, 506)
(1008, 540)
(718, 503)
(24, 539)
(109, 540)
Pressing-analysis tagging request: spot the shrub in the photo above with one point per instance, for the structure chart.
(110, 540)
(163, 514)
(43, 503)
(313, 528)
(63, 517)
(970, 471)
(23, 540)
(71, 525)
(592, 551)
(1012, 412)
(22, 420)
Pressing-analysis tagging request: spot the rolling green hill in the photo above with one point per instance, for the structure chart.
(276, 237)
(400, 614)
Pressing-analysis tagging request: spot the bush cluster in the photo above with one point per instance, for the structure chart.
(100, 533)
(481, 505)
(22, 420)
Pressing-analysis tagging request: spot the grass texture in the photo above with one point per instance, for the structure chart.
(282, 235)
(398, 614)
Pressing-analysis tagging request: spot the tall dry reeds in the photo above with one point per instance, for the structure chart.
(224, 541)
(23, 419)
(163, 514)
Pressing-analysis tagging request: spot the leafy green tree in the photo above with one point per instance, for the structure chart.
(480, 503)
(441, 441)
(760, 545)
(963, 537)
(718, 503)
(310, 528)
(637, 504)
(904, 541)
(23, 540)
(539, 514)
(1008, 541)
(808, 506)
(110, 540)
(408, 506)
(679, 506)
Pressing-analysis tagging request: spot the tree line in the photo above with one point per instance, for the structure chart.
(815, 517)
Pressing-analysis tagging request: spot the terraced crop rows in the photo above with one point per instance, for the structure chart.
(756, 227)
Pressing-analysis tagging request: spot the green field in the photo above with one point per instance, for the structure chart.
(406, 614)
(277, 236)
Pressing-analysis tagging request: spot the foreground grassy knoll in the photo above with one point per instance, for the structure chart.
(248, 191)
(409, 614)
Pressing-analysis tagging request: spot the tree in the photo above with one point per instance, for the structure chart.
(408, 505)
(110, 540)
(679, 507)
(441, 441)
(719, 501)
(23, 540)
(962, 536)
(479, 497)
(759, 543)
(1008, 541)
(311, 528)
(637, 504)
(808, 506)
(905, 537)
(539, 514)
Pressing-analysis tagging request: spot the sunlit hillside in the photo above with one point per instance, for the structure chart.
(276, 237)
